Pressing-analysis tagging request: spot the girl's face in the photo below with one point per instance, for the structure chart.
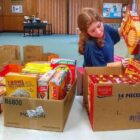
(96, 29)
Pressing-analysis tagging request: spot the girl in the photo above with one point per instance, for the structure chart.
(97, 40)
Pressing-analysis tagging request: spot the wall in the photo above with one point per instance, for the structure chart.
(55, 12)
(109, 20)
(1, 15)
(75, 7)
(12, 21)
(62, 14)
(138, 3)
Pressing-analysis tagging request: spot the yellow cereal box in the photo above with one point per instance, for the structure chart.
(21, 85)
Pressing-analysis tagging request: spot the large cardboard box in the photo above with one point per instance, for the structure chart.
(54, 113)
(95, 70)
(111, 106)
(80, 74)
(14, 52)
(32, 53)
(10, 54)
(48, 56)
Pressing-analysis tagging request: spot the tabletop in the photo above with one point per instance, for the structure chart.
(77, 128)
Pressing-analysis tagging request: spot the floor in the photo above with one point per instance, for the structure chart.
(64, 45)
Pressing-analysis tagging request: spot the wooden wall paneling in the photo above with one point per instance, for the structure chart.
(117, 1)
(138, 6)
(14, 21)
(30, 7)
(11, 21)
(75, 7)
(41, 9)
(1, 15)
(55, 13)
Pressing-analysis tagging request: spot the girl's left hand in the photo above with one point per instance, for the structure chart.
(125, 62)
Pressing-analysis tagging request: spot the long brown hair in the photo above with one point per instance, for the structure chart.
(84, 20)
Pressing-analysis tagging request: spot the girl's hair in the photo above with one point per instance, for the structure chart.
(84, 20)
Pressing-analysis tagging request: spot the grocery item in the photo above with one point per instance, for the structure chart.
(57, 85)
(131, 31)
(21, 85)
(43, 84)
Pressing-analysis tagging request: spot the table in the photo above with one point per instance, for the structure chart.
(77, 128)
(31, 27)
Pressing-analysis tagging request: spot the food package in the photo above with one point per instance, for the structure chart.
(131, 31)
(21, 85)
(43, 84)
(57, 85)
(133, 67)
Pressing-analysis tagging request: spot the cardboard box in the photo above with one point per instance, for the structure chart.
(48, 56)
(91, 70)
(80, 74)
(111, 106)
(10, 54)
(2, 94)
(53, 118)
(0, 108)
(32, 53)
(14, 52)
(4, 57)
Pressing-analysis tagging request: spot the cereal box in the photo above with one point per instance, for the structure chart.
(21, 85)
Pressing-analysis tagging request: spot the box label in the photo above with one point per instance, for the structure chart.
(103, 91)
(13, 102)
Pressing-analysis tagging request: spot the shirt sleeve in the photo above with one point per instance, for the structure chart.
(114, 34)
(93, 55)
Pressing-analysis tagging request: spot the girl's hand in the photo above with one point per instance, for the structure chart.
(125, 62)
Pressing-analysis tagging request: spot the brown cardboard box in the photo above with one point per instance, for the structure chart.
(53, 118)
(9, 54)
(95, 70)
(19, 62)
(2, 94)
(14, 52)
(48, 56)
(112, 106)
(32, 53)
(0, 108)
(80, 74)
(4, 55)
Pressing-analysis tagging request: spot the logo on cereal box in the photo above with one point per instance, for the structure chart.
(104, 91)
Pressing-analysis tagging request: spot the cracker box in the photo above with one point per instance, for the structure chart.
(71, 64)
(133, 67)
(131, 31)
(43, 84)
(57, 85)
(21, 85)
